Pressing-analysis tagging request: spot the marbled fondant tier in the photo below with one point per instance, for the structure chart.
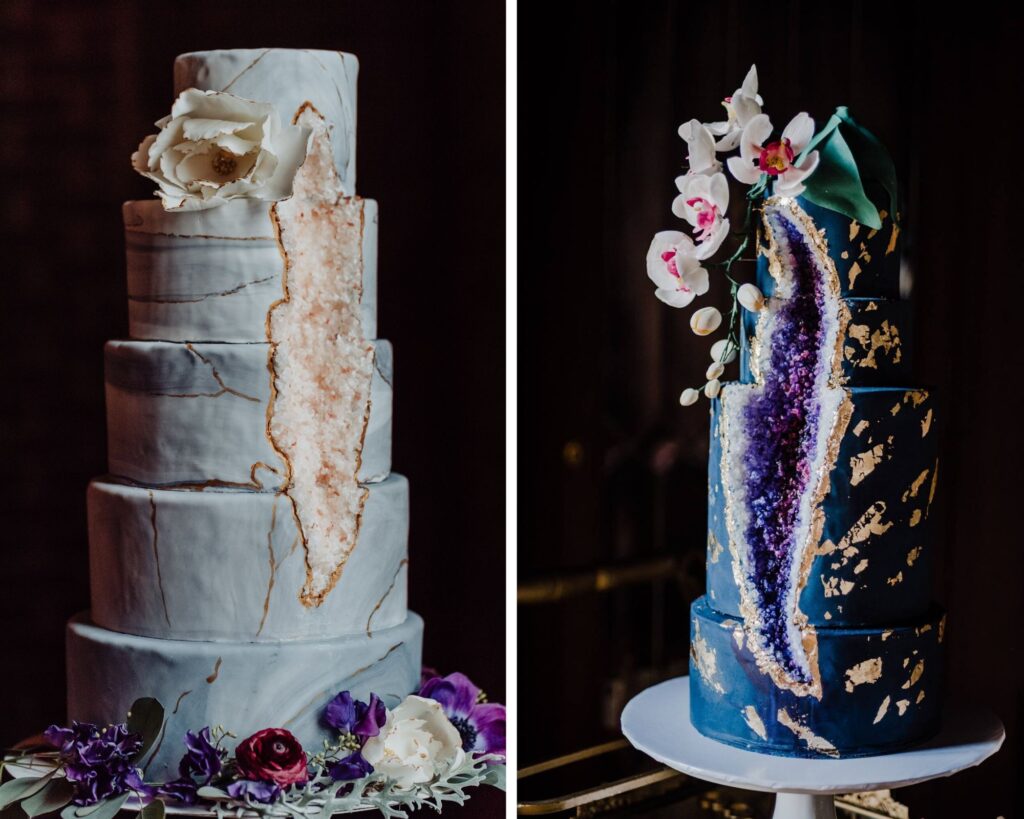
(870, 565)
(243, 686)
(288, 79)
(197, 414)
(867, 261)
(214, 274)
(880, 689)
(231, 565)
(875, 341)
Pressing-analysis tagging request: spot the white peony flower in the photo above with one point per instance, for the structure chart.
(700, 148)
(215, 146)
(744, 104)
(703, 202)
(777, 158)
(673, 266)
(417, 744)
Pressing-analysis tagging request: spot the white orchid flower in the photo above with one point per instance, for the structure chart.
(703, 201)
(700, 148)
(744, 104)
(777, 159)
(673, 266)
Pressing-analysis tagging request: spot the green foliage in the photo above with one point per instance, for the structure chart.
(18, 789)
(52, 797)
(154, 810)
(146, 718)
(849, 154)
(107, 809)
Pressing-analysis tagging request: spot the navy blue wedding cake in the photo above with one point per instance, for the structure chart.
(817, 636)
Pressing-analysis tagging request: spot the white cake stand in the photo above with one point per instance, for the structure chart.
(657, 722)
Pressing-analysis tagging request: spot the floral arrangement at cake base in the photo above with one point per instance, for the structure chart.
(432, 748)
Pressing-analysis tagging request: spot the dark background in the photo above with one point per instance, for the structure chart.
(80, 85)
(612, 470)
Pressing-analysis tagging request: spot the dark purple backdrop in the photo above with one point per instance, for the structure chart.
(611, 469)
(80, 85)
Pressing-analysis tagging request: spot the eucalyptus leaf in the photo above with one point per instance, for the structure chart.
(18, 789)
(146, 718)
(495, 776)
(107, 809)
(154, 810)
(53, 797)
(210, 792)
(836, 183)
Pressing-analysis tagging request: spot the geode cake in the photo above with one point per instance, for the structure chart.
(817, 635)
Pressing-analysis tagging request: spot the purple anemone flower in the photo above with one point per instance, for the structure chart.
(99, 763)
(480, 724)
(202, 759)
(265, 792)
(356, 722)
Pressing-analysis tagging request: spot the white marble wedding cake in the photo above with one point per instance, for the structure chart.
(248, 551)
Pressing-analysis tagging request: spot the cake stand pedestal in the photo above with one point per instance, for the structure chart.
(657, 722)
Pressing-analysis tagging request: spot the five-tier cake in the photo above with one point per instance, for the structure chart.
(248, 550)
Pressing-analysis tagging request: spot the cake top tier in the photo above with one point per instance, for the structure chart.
(288, 79)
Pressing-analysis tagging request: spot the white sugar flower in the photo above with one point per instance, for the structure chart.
(688, 397)
(700, 148)
(712, 388)
(417, 744)
(215, 146)
(744, 104)
(673, 266)
(703, 202)
(751, 297)
(719, 351)
(777, 159)
(705, 321)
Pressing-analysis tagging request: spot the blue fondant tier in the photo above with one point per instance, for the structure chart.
(867, 260)
(242, 686)
(870, 565)
(879, 689)
(876, 343)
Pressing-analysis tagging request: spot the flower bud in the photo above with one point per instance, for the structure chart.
(718, 351)
(689, 397)
(750, 297)
(712, 388)
(705, 321)
(715, 370)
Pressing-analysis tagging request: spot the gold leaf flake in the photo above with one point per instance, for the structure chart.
(886, 634)
(902, 705)
(915, 487)
(882, 709)
(942, 628)
(864, 463)
(915, 674)
(920, 696)
(813, 741)
(926, 423)
(860, 566)
(854, 273)
(915, 518)
(753, 719)
(705, 660)
(854, 230)
(914, 553)
(865, 673)
(892, 581)
(714, 548)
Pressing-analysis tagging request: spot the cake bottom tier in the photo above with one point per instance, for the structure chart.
(244, 687)
(880, 689)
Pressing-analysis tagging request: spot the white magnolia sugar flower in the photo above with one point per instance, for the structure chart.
(751, 297)
(703, 202)
(689, 397)
(777, 159)
(214, 146)
(673, 266)
(705, 321)
(700, 148)
(744, 104)
(417, 744)
(719, 348)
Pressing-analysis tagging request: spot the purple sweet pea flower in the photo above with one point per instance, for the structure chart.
(265, 792)
(98, 763)
(480, 724)
(202, 759)
(351, 767)
(350, 716)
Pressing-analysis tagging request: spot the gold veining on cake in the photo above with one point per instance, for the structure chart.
(156, 555)
(216, 672)
(754, 721)
(864, 673)
(394, 579)
(812, 740)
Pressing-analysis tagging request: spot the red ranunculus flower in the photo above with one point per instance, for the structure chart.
(272, 755)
